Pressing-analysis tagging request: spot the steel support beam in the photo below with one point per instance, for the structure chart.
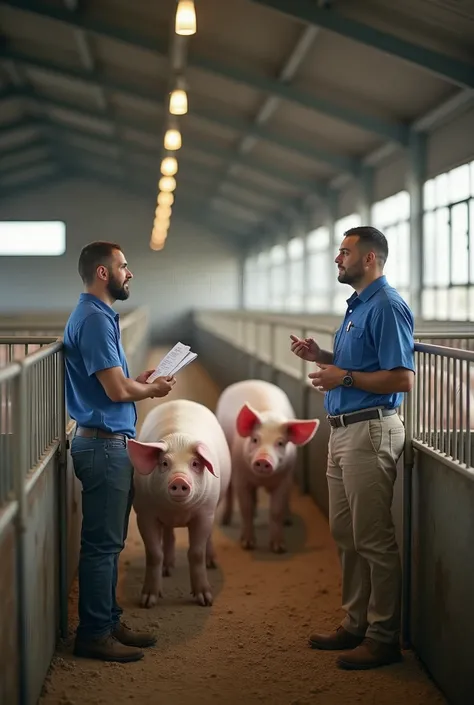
(301, 148)
(208, 147)
(366, 195)
(130, 148)
(271, 103)
(287, 73)
(415, 182)
(370, 123)
(461, 73)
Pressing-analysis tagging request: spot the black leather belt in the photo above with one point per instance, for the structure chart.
(357, 416)
(84, 432)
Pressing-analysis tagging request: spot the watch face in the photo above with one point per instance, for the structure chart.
(347, 381)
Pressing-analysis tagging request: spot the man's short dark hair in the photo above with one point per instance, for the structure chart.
(371, 239)
(92, 256)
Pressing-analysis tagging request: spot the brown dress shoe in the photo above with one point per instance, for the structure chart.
(338, 640)
(370, 654)
(126, 636)
(107, 648)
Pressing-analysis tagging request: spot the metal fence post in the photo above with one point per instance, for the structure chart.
(407, 520)
(62, 502)
(20, 455)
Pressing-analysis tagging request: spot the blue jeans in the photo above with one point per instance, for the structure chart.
(106, 474)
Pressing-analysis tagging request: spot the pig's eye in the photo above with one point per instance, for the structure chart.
(196, 465)
(254, 439)
(164, 464)
(280, 444)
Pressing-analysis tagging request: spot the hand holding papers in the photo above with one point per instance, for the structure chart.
(175, 360)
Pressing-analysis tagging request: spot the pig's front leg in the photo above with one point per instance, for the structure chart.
(210, 554)
(151, 531)
(278, 513)
(168, 550)
(200, 529)
(247, 495)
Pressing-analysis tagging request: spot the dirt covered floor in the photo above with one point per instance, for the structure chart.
(251, 645)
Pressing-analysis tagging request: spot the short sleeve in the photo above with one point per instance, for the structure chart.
(98, 343)
(392, 331)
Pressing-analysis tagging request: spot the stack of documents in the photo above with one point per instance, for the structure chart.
(174, 361)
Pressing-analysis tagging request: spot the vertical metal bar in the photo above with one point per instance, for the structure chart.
(62, 499)
(407, 520)
(418, 395)
(468, 417)
(430, 426)
(423, 401)
(461, 412)
(455, 451)
(436, 425)
(448, 407)
(4, 469)
(20, 467)
(442, 424)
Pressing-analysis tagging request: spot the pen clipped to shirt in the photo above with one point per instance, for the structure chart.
(349, 326)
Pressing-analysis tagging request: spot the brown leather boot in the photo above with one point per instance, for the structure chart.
(126, 636)
(370, 654)
(340, 639)
(107, 648)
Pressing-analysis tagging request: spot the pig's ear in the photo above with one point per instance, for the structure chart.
(247, 420)
(204, 453)
(301, 432)
(144, 456)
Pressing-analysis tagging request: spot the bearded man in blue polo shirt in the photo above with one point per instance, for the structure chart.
(101, 399)
(364, 379)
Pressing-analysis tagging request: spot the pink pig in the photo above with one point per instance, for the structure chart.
(182, 471)
(262, 433)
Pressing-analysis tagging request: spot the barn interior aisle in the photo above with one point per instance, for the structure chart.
(251, 645)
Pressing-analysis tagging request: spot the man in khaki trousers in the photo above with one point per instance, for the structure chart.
(364, 379)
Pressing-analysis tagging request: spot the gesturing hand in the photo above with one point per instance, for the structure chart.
(327, 377)
(305, 348)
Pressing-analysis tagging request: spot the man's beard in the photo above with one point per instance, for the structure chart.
(119, 292)
(351, 276)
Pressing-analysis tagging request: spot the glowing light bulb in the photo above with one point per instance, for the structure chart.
(185, 23)
(172, 139)
(169, 166)
(167, 183)
(178, 102)
(165, 198)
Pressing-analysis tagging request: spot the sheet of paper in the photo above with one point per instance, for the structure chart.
(190, 357)
(171, 360)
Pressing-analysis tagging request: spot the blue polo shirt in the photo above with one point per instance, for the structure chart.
(92, 343)
(376, 334)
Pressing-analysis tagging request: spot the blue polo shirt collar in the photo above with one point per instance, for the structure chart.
(105, 307)
(369, 291)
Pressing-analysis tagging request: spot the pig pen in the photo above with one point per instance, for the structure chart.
(251, 645)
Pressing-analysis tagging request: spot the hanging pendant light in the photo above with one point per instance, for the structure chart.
(185, 23)
(178, 102)
(172, 139)
(169, 166)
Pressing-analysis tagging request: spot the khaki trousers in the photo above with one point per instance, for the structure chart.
(361, 474)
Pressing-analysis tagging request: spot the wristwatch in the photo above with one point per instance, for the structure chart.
(348, 380)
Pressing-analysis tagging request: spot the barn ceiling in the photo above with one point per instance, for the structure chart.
(287, 98)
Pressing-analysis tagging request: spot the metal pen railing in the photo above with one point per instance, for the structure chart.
(443, 402)
(34, 426)
(16, 347)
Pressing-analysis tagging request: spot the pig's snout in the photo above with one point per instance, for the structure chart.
(263, 464)
(179, 489)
